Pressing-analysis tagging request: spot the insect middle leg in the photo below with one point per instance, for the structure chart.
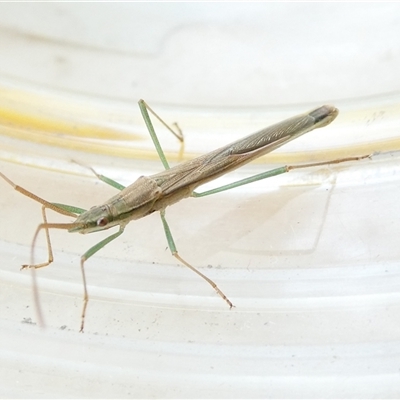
(174, 252)
(144, 108)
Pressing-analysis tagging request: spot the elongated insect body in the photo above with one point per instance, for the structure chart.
(212, 165)
(156, 192)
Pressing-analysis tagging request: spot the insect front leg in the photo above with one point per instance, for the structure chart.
(49, 248)
(59, 208)
(174, 252)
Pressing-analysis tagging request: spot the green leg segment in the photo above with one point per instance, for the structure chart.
(144, 108)
(174, 251)
(109, 181)
(86, 256)
(255, 178)
(274, 172)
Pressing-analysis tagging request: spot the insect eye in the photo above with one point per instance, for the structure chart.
(103, 221)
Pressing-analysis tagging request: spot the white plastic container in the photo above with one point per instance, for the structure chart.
(310, 259)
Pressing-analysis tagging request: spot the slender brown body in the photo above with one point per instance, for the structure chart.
(156, 192)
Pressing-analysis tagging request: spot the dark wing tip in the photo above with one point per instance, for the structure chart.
(324, 113)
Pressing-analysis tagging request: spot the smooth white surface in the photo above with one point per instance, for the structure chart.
(310, 259)
(195, 54)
